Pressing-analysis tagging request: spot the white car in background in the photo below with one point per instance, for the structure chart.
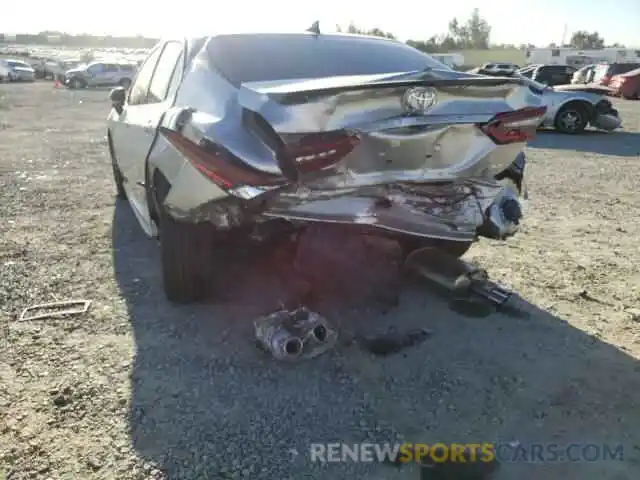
(16, 71)
(500, 68)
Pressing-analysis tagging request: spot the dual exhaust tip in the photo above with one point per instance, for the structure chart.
(294, 345)
(286, 333)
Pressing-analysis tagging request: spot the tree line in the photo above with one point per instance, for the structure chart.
(473, 33)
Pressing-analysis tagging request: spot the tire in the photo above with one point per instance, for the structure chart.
(456, 249)
(186, 252)
(571, 119)
(125, 82)
(76, 83)
(117, 174)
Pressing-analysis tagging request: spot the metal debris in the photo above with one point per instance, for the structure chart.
(294, 334)
(458, 277)
(55, 310)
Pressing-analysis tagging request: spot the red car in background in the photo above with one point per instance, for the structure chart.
(626, 85)
(604, 72)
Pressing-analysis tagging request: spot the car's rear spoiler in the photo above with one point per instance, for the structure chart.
(291, 92)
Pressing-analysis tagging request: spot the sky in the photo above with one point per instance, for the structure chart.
(539, 22)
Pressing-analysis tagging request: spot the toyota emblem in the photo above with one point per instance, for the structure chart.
(418, 100)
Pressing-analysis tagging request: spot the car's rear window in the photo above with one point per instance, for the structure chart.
(258, 58)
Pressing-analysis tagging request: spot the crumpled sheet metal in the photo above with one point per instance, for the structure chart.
(295, 334)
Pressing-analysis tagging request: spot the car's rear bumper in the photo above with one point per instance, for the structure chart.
(459, 209)
(455, 212)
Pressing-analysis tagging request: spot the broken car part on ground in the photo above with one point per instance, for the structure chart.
(299, 333)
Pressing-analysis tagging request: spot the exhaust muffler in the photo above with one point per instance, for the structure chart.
(273, 336)
(292, 334)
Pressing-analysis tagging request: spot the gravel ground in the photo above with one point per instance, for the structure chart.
(138, 389)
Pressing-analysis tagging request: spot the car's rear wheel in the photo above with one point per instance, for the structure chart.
(411, 244)
(571, 119)
(118, 179)
(188, 251)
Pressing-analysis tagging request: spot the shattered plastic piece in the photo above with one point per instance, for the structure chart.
(292, 334)
(56, 309)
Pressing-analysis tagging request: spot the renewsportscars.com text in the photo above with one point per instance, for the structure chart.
(469, 452)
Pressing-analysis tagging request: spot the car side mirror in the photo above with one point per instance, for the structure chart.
(118, 96)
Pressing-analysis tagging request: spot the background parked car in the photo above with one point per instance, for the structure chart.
(497, 69)
(572, 108)
(550, 74)
(17, 71)
(37, 63)
(584, 75)
(100, 74)
(527, 71)
(605, 71)
(627, 85)
(64, 67)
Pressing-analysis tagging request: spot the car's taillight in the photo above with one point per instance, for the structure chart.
(517, 126)
(318, 151)
(218, 164)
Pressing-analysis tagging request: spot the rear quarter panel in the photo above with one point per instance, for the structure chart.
(216, 116)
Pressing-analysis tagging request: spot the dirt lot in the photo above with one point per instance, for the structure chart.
(137, 388)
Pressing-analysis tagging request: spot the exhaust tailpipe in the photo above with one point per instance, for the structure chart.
(283, 344)
(319, 333)
(273, 336)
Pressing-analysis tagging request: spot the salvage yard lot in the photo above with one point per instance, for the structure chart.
(137, 388)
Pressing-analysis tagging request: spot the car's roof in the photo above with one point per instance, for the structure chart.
(281, 34)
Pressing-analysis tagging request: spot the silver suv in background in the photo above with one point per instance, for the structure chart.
(16, 71)
(100, 74)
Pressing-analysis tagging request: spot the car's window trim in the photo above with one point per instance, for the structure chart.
(159, 47)
(183, 57)
(182, 51)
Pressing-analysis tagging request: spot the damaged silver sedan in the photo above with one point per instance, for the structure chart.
(234, 138)
(572, 108)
